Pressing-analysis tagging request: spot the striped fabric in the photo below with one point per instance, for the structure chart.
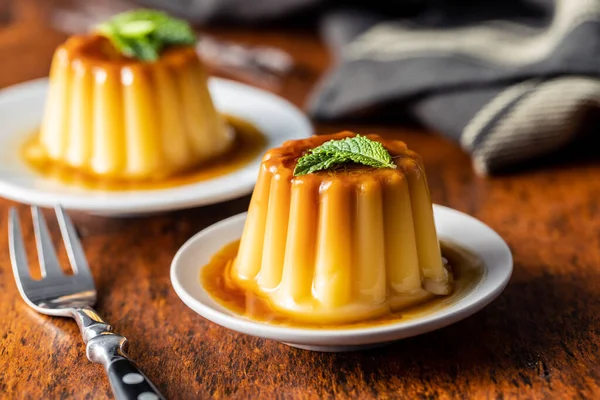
(506, 90)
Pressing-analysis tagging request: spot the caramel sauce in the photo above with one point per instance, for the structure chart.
(467, 268)
(249, 143)
(97, 50)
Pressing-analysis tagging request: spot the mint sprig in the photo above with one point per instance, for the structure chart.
(334, 153)
(143, 34)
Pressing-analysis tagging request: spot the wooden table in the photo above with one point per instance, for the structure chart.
(539, 339)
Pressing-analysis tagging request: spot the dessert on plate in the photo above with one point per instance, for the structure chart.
(130, 102)
(340, 229)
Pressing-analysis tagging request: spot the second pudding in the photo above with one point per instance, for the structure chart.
(118, 117)
(341, 245)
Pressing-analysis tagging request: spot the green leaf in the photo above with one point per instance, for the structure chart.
(358, 149)
(123, 45)
(143, 34)
(141, 14)
(145, 49)
(175, 32)
(316, 162)
(105, 29)
(137, 29)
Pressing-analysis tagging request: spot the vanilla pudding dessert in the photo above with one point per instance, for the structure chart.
(130, 102)
(329, 239)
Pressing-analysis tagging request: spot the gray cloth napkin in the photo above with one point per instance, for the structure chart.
(510, 81)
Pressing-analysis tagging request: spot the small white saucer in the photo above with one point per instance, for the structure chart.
(462, 229)
(21, 110)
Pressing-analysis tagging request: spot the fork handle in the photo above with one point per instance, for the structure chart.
(105, 347)
(128, 382)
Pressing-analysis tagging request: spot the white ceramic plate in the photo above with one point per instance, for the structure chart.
(462, 229)
(21, 109)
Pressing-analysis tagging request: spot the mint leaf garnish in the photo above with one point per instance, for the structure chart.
(143, 34)
(317, 161)
(137, 29)
(145, 48)
(358, 149)
(175, 31)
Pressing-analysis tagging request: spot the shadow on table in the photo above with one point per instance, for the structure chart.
(534, 327)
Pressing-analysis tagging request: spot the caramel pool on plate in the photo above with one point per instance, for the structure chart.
(344, 245)
(467, 271)
(249, 143)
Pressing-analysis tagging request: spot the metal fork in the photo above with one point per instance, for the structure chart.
(72, 296)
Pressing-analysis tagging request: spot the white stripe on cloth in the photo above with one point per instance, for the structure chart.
(542, 122)
(490, 110)
(499, 44)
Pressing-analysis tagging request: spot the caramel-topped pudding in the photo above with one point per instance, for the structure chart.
(119, 117)
(340, 245)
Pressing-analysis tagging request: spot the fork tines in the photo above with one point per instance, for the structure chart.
(49, 264)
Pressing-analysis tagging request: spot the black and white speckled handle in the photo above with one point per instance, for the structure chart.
(108, 348)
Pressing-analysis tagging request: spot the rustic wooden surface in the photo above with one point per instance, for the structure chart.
(539, 339)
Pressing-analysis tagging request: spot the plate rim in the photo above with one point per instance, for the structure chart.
(352, 336)
(116, 203)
